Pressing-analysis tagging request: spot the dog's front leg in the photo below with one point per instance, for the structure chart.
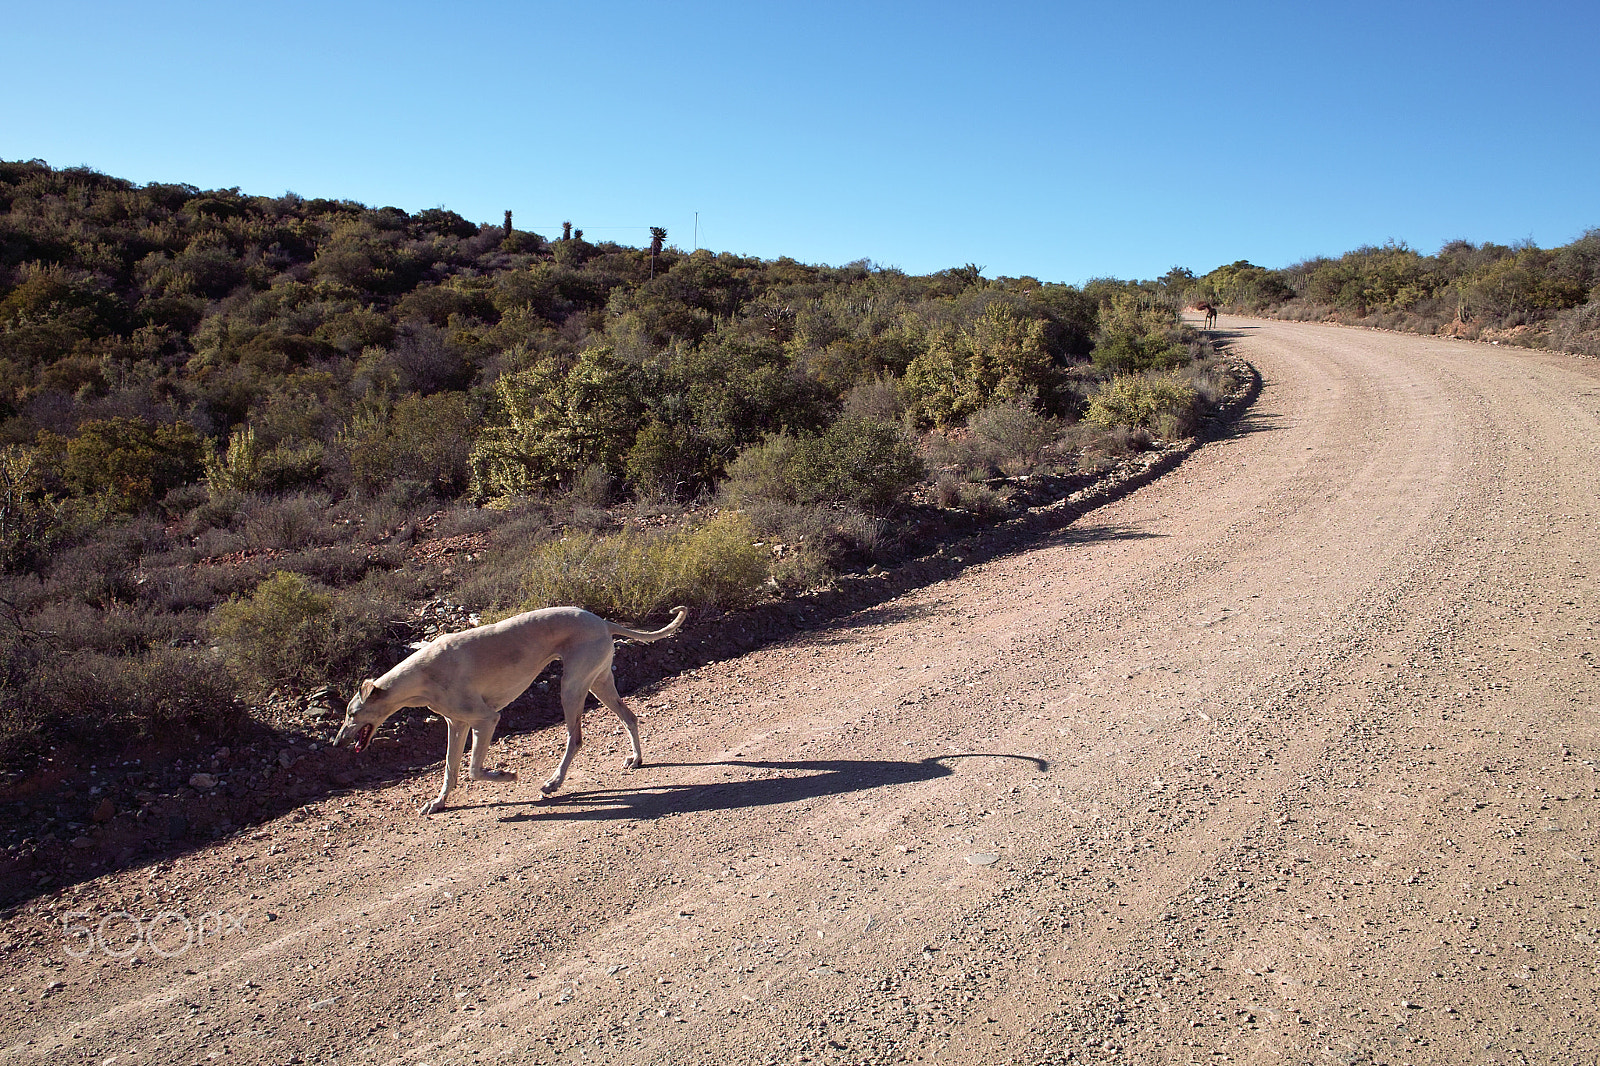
(574, 742)
(481, 735)
(454, 744)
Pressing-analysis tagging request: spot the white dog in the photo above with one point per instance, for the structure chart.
(467, 678)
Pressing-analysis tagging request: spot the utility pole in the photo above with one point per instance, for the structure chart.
(696, 231)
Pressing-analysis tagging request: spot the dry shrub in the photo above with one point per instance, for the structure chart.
(180, 589)
(983, 500)
(1017, 436)
(338, 567)
(590, 519)
(593, 487)
(117, 629)
(947, 489)
(103, 568)
(1099, 444)
(51, 692)
(801, 568)
(497, 579)
(879, 399)
(1577, 329)
(1003, 438)
(298, 632)
(1210, 380)
(285, 522)
(465, 518)
(397, 507)
(809, 545)
(633, 575)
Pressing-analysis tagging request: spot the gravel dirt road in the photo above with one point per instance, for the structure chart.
(1286, 757)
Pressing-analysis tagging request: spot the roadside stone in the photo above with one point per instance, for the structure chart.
(202, 782)
(105, 811)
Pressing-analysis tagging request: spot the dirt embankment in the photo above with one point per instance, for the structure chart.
(1287, 756)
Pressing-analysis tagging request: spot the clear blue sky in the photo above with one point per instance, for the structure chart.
(1061, 140)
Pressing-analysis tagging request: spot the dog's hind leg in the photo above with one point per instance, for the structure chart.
(605, 689)
(454, 744)
(573, 693)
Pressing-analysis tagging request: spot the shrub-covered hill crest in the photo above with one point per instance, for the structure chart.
(1519, 293)
(312, 321)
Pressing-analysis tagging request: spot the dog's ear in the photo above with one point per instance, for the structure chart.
(368, 687)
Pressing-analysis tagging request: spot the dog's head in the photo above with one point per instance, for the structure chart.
(367, 711)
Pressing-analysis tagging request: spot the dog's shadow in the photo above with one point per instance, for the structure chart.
(795, 781)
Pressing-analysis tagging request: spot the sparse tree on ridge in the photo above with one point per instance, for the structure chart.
(658, 234)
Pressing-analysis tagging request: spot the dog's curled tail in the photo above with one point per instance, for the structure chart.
(670, 628)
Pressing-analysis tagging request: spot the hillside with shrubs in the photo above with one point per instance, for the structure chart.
(246, 442)
(1510, 294)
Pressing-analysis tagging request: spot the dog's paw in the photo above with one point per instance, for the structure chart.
(549, 787)
(432, 808)
(632, 762)
(503, 775)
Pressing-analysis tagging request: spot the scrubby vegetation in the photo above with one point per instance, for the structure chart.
(632, 574)
(234, 429)
(1519, 293)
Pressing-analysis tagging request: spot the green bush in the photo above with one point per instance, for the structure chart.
(246, 466)
(857, 461)
(295, 631)
(422, 438)
(763, 471)
(1244, 286)
(128, 462)
(1137, 335)
(666, 461)
(1002, 355)
(280, 631)
(31, 518)
(1123, 353)
(552, 422)
(633, 575)
(1165, 403)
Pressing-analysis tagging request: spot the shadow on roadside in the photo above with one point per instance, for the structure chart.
(1251, 424)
